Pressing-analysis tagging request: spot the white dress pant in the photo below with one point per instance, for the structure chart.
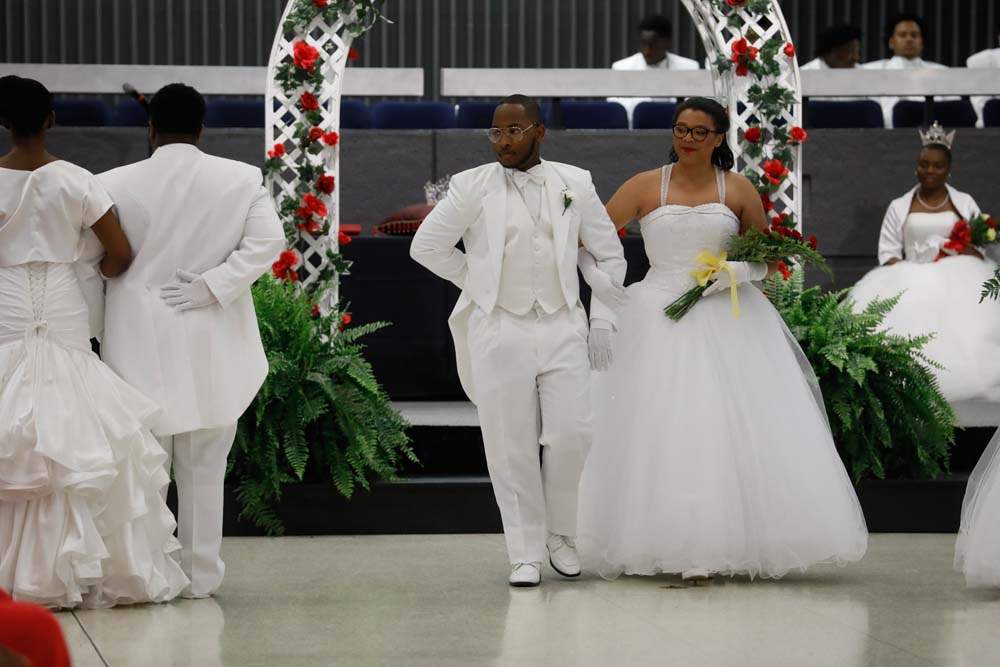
(532, 378)
(199, 460)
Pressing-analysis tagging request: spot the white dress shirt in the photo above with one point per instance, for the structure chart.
(982, 60)
(898, 62)
(636, 62)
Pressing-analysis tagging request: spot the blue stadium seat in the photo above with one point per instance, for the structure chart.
(653, 116)
(413, 116)
(475, 115)
(84, 112)
(355, 115)
(594, 116)
(130, 113)
(854, 113)
(991, 113)
(954, 113)
(234, 113)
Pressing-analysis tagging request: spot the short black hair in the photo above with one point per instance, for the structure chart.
(531, 106)
(836, 36)
(903, 17)
(657, 23)
(177, 109)
(24, 105)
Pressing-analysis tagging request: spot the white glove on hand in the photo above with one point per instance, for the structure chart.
(599, 345)
(190, 291)
(743, 272)
(611, 295)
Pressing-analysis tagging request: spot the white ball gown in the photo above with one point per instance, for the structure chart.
(82, 521)
(977, 549)
(941, 297)
(711, 447)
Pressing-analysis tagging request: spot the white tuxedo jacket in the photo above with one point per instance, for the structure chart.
(475, 212)
(183, 209)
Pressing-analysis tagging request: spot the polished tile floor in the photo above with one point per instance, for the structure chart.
(442, 600)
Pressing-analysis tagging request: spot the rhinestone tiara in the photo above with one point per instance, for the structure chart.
(935, 134)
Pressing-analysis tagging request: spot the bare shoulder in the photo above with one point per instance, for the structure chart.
(739, 184)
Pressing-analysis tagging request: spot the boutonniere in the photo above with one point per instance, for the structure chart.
(567, 198)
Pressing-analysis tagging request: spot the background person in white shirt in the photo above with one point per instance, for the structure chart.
(837, 47)
(905, 37)
(656, 35)
(982, 60)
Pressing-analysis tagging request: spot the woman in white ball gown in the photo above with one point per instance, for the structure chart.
(939, 296)
(711, 453)
(82, 522)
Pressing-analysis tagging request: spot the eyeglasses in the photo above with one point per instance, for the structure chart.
(512, 133)
(699, 132)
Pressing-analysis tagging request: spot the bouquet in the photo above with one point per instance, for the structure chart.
(782, 243)
(980, 230)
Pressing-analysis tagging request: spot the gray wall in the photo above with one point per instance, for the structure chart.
(441, 33)
(848, 180)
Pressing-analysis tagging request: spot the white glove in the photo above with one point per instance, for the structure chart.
(611, 295)
(743, 272)
(190, 291)
(599, 345)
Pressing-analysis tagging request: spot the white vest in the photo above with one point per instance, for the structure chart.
(529, 274)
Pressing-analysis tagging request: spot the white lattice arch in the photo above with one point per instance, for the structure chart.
(717, 36)
(333, 41)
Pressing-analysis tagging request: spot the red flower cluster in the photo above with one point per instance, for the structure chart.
(960, 239)
(775, 171)
(353, 54)
(767, 203)
(797, 135)
(304, 55)
(284, 268)
(789, 50)
(786, 273)
(343, 239)
(325, 184)
(753, 134)
(315, 133)
(331, 138)
(311, 205)
(308, 101)
(345, 321)
(276, 151)
(743, 54)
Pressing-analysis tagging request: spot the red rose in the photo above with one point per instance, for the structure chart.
(284, 267)
(320, 4)
(797, 135)
(778, 221)
(304, 56)
(276, 151)
(790, 50)
(308, 101)
(315, 134)
(353, 54)
(314, 205)
(743, 54)
(345, 320)
(767, 203)
(753, 134)
(343, 239)
(325, 184)
(315, 311)
(775, 171)
(312, 226)
(813, 242)
(783, 268)
(331, 138)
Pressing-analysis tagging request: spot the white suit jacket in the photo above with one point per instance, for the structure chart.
(183, 209)
(636, 61)
(475, 212)
(982, 60)
(898, 62)
(890, 242)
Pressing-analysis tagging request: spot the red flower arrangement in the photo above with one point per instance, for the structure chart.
(308, 101)
(285, 268)
(304, 56)
(743, 54)
(980, 230)
(325, 184)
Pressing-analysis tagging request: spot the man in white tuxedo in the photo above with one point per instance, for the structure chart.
(521, 336)
(180, 324)
(983, 59)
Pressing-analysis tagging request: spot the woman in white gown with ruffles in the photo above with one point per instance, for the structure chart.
(940, 293)
(711, 453)
(82, 521)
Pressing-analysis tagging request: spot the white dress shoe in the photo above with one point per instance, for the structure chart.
(526, 575)
(562, 555)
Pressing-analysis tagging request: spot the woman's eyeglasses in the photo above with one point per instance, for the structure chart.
(699, 132)
(513, 133)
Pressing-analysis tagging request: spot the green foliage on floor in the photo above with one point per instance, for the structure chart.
(320, 416)
(886, 411)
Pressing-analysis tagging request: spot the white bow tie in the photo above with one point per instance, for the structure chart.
(523, 177)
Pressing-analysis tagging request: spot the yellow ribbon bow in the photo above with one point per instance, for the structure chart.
(708, 267)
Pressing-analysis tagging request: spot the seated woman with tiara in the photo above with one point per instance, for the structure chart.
(939, 290)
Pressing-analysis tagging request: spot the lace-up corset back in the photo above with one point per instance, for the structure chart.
(674, 234)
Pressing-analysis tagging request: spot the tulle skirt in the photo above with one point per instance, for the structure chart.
(977, 549)
(943, 298)
(82, 521)
(711, 448)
